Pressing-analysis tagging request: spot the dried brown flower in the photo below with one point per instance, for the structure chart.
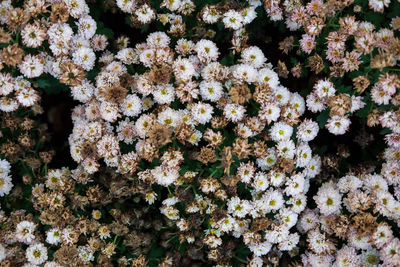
(286, 44)
(160, 74)
(17, 17)
(339, 104)
(12, 55)
(241, 148)
(206, 155)
(219, 122)
(59, 13)
(282, 70)
(382, 60)
(316, 63)
(160, 134)
(71, 74)
(5, 37)
(240, 93)
(361, 83)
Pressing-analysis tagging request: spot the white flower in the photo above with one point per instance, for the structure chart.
(84, 57)
(5, 167)
(150, 197)
(5, 185)
(164, 94)
(286, 149)
(253, 56)
(82, 92)
(338, 125)
(233, 20)
(202, 112)
(170, 212)
(281, 131)
(269, 77)
(211, 90)
(132, 105)
(206, 50)
(165, 176)
(238, 208)
(260, 248)
(328, 199)
(324, 89)
(244, 72)
(282, 94)
(260, 182)
(36, 253)
(126, 5)
(53, 236)
(145, 14)
(307, 130)
(172, 5)
(87, 27)
(85, 253)
(234, 112)
(31, 67)
(24, 232)
(184, 69)
(298, 103)
(303, 155)
(158, 40)
(3, 252)
(169, 117)
(268, 161)
(270, 112)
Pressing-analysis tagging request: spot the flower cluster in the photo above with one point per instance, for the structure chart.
(359, 211)
(336, 39)
(187, 146)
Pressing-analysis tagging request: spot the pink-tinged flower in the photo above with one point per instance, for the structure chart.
(395, 24)
(299, 15)
(378, 5)
(314, 7)
(307, 43)
(296, 70)
(351, 61)
(393, 140)
(334, 55)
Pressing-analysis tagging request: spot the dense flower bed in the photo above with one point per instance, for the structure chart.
(210, 133)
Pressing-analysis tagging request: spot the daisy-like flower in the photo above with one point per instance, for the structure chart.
(84, 57)
(31, 67)
(5, 184)
(328, 199)
(307, 130)
(281, 131)
(145, 14)
(253, 56)
(132, 105)
(27, 97)
(202, 112)
(234, 112)
(338, 125)
(269, 77)
(233, 20)
(126, 5)
(24, 232)
(211, 90)
(33, 35)
(164, 94)
(53, 236)
(307, 43)
(36, 253)
(206, 50)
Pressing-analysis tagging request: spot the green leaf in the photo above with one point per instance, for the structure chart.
(323, 118)
(51, 85)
